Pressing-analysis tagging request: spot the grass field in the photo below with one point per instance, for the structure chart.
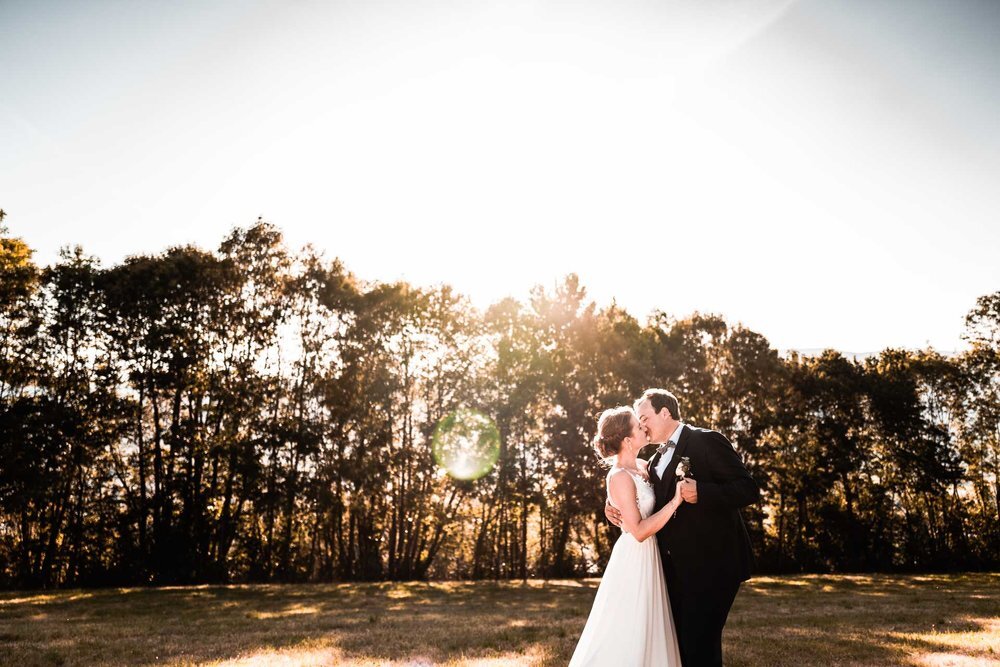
(799, 620)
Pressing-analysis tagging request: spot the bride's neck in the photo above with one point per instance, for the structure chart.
(626, 459)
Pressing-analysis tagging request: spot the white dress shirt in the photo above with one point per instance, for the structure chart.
(661, 465)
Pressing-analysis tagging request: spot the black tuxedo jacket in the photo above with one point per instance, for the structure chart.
(706, 543)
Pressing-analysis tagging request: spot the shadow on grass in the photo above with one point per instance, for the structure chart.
(866, 620)
(805, 620)
(190, 625)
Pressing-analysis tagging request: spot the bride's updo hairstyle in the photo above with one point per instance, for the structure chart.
(613, 427)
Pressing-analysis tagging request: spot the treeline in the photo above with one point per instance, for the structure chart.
(254, 414)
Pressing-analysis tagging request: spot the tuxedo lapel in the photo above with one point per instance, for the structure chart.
(651, 468)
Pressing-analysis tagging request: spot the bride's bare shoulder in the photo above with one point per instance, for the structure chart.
(615, 480)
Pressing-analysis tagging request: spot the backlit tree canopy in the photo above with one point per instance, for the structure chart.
(254, 413)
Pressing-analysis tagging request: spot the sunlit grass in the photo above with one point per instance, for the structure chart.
(928, 620)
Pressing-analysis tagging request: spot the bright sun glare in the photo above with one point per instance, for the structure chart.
(466, 444)
(498, 147)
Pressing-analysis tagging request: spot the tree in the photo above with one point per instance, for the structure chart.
(980, 428)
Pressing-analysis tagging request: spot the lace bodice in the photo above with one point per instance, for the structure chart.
(645, 497)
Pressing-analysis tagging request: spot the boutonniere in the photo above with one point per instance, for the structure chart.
(684, 468)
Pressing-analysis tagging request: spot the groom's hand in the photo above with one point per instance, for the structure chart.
(614, 516)
(689, 491)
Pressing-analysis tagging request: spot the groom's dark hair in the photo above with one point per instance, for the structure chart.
(659, 399)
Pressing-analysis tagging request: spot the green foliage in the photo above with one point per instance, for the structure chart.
(257, 414)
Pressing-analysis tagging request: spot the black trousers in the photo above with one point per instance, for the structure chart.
(700, 614)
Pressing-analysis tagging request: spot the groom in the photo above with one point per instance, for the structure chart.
(705, 549)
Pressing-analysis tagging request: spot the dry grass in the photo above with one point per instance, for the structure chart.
(934, 620)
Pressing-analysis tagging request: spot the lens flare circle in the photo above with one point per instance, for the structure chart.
(466, 444)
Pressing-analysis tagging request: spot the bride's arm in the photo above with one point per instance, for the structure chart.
(622, 490)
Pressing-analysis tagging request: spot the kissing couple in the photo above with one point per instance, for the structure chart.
(664, 602)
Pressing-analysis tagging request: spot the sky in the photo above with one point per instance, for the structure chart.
(822, 171)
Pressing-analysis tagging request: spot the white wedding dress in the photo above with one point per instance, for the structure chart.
(630, 624)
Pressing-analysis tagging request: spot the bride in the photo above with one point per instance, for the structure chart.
(630, 623)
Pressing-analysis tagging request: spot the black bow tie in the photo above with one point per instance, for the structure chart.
(665, 447)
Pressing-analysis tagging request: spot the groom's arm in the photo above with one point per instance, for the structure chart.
(732, 486)
(613, 515)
